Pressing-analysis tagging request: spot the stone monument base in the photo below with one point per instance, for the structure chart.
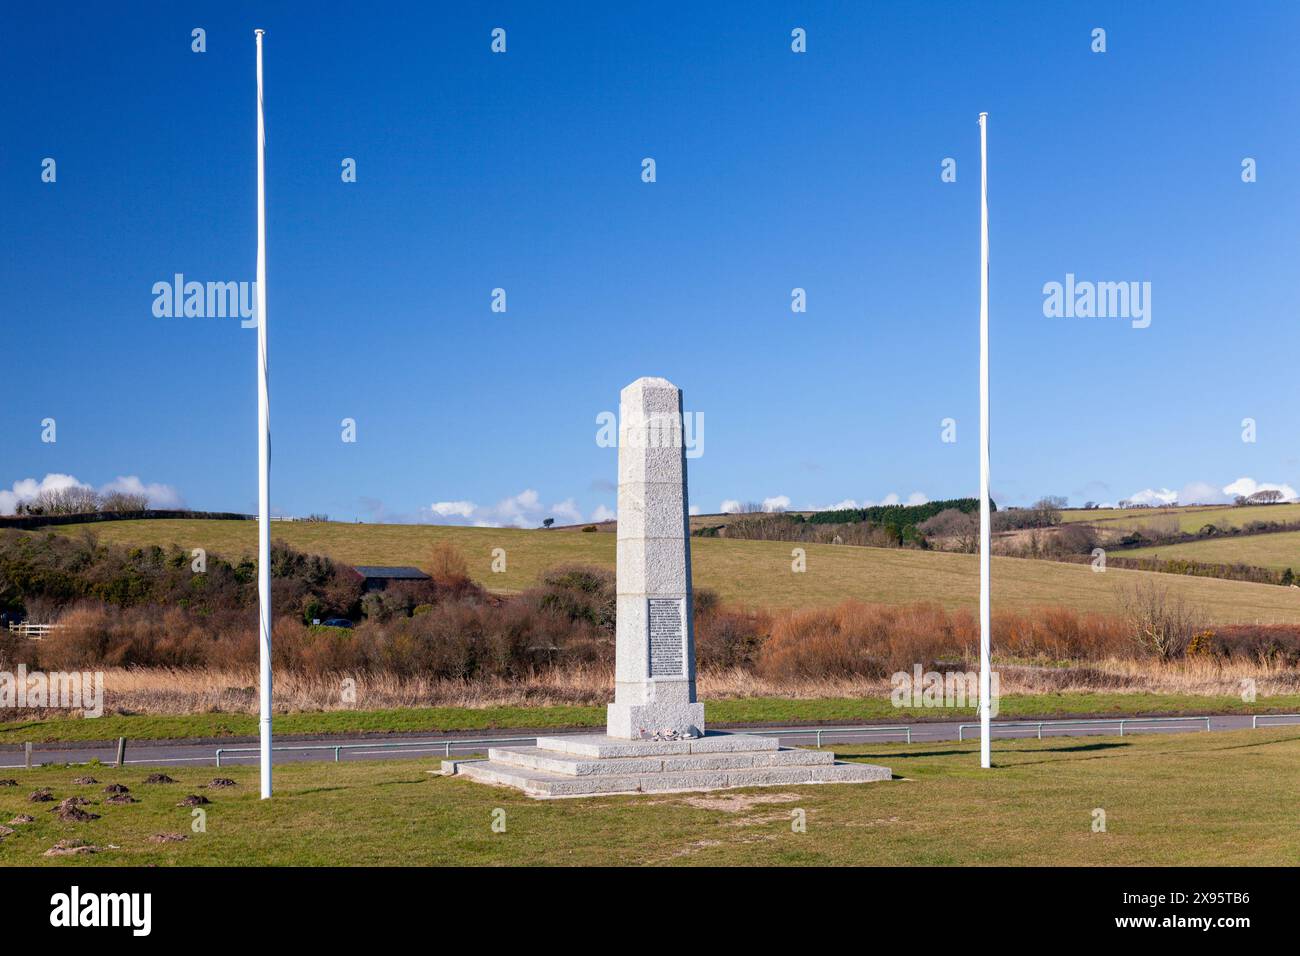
(594, 765)
(628, 720)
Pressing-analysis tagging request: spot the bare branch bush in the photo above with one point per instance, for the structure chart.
(1160, 623)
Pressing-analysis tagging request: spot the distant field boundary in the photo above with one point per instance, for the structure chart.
(1239, 571)
(28, 522)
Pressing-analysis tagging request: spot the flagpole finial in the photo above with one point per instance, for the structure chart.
(259, 32)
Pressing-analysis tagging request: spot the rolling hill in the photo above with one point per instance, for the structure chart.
(1190, 518)
(751, 573)
(1277, 551)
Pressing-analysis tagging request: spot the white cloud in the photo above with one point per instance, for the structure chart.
(1204, 493)
(732, 506)
(25, 489)
(1150, 496)
(520, 509)
(915, 498)
(566, 512)
(160, 496)
(523, 510)
(1201, 493)
(1248, 486)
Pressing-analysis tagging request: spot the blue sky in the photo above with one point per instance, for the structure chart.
(775, 170)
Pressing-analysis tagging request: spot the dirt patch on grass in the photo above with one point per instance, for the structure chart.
(761, 819)
(8, 783)
(695, 847)
(118, 799)
(73, 847)
(168, 837)
(117, 788)
(879, 822)
(23, 818)
(84, 782)
(158, 778)
(221, 783)
(194, 800)
(43, 795)
(737, 802)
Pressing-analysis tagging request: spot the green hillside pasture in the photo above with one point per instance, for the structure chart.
(749, 573)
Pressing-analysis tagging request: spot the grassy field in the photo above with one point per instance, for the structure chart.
(1190, 518)
(1277, 551)
(754, 710)
(754, 573)
(1190, 799)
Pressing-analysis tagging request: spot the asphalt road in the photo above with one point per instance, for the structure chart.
(244, 751)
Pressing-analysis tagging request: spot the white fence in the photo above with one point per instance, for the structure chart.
(32, 631)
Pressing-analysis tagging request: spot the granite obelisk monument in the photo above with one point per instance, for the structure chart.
(655, 740)
(654, 665)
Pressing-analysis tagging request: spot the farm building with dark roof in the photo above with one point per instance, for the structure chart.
(376, 577)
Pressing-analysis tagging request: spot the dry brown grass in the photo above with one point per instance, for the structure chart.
(163, 691)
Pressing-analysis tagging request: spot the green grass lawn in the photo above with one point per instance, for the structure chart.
(752, 573)
(1278, 551)
(1189, 799)
(759, 710)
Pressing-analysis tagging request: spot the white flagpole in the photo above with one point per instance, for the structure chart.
(263, 453)
(985, 516)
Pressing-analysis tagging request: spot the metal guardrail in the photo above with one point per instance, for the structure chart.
(818, 731)
(1040, 724)
(401, 745)
(1254, 719)
(447, 745)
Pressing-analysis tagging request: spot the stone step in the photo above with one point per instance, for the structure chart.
(540, 783)
(576, 765)
(602, 746)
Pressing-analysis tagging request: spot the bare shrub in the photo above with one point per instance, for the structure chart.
(957, 530)
(1058, 634)
(1268, 645)
(65, 501)
(123, 501)
(98, 635)
(727, 638)
(1162, 528)
(862, 639)
(1161, 624)
(760, 526)
(579, 593)
(450, 570)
